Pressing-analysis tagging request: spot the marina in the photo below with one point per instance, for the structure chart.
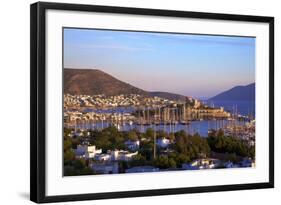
(199, 119)
(200, 127)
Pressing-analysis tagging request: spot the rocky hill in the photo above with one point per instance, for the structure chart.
(94, 81)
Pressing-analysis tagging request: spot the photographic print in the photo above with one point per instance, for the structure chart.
(144, 102)
(139, 101)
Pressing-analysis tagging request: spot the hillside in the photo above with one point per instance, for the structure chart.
(238, 93)
(94, 81)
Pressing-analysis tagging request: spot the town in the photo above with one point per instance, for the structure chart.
(110, 151)
(134, 133)
(136, 109)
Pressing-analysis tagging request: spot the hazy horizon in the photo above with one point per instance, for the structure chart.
(199, 66)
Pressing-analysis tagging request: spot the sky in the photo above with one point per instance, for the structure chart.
(199, 66)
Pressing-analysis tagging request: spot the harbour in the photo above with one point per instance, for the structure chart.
(199, 117)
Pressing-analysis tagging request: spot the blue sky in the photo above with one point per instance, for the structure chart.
(200, 66)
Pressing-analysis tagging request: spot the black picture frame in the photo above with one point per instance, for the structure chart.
(38, 100)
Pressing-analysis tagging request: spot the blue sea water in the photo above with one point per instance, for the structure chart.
(200, 127)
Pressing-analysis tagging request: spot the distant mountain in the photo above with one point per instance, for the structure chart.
(238, 93)
(94, 82)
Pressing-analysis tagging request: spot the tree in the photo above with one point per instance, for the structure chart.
(108, 139)
(86, 171)
(149, 133)
(191, 146)
(229, 144)
(68, 156)
(132, 135)
(67, 144)
(172, 163)
(162, 134)
(67, 132)
(146, 149)
(182, 158)
(164, 162)
(171, 136)
(220, 133)
(138, 160)
(79, 164)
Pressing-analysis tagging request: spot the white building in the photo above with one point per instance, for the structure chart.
(197, 103)
(201, 164)
(87, 151)
(122, 155)
(103, 157)
(163, 142)
(132, 145)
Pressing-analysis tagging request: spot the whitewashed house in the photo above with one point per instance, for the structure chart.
(163, 142)
(103, 157)
(87, 151)
(201, 164)
(122, 155)
(132, 144)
